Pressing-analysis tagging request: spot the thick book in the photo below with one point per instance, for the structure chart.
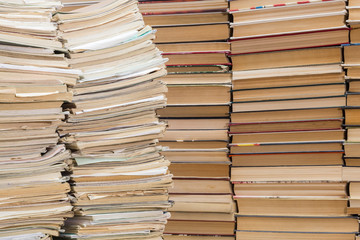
(294, 235)
(164, 19)
(287, 173)
(294, 24)
(283, 189)
(248, 4)
(194, 111)
(292, 58)
(292, 206)
(278, 159)
(286, 115)
(200, 227)
(196, 237)
(352, 116)
(288, 41)
(198, 94)
(192, 33)
(295, 103)
(175, 6)
(297, 224)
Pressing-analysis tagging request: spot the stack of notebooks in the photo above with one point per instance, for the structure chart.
(193, 34)
(34, 76)
(34, 201)
(286, 121)
(119, 179)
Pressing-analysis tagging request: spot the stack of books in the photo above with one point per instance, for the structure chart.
(352, 123)
(34, 76)
(353, 20)
(119, 179)
(286, 124)
(286, 24)
(352, 110)
(193, 34)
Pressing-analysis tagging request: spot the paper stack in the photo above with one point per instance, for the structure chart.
(193, 34)
(287, 136)
(119, 179)
(33, 85)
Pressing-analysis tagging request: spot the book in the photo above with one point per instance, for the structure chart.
(166, 19)
(283, 189)
(293, 58)
(190, 33)
(283, 236)
(189, 237)
(292, 24)
(234, 5)
(287, 173)
(288, 41)
(154, 7)
(198, 227)
(297, 224)
(290, 206)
